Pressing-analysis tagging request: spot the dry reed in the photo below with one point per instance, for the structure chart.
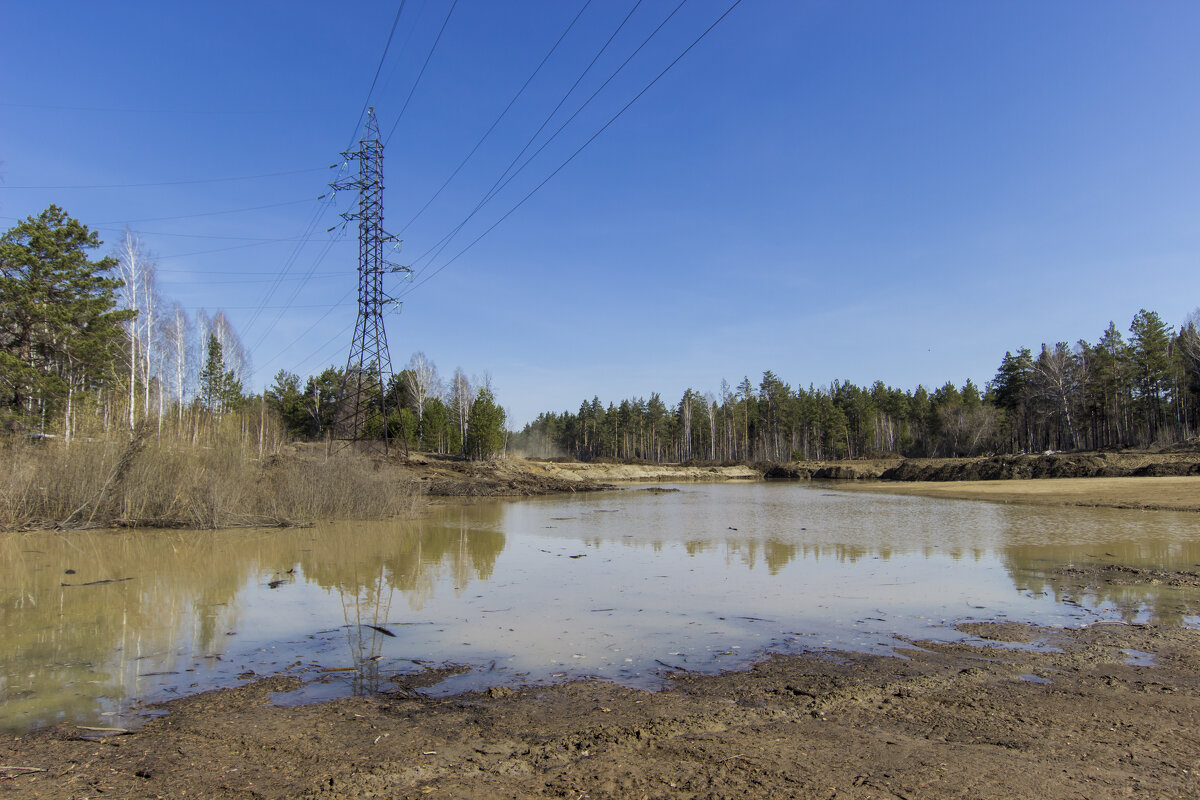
(166, 480)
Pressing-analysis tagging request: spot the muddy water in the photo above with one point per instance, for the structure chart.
(628, 586)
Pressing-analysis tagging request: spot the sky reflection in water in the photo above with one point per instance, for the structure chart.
(621, 585)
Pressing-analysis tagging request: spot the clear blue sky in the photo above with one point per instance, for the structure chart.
(829, 190)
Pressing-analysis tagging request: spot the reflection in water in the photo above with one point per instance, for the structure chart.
(611, 585)
(1108, 577)
(91, 619)
(365, 613)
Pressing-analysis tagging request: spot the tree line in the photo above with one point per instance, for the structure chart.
(1133, 391)
(425, 412)
(89, 346)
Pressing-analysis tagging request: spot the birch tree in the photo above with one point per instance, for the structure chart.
(136, 270)
(423, 383)
(462, 395)
(176, 350)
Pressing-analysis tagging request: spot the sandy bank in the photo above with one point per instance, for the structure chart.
(635, 473)
(1166, 494)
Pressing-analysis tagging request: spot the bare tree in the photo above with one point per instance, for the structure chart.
(710, 408)
(423, 382)
(236, 357)
(1189, 341)
(462, 395)
(177, 350)
(136, 269)
(1057, 379)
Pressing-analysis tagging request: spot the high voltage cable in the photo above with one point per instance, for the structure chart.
(104, 227)
(505, 178)
(417, 82)
(296, 339)
(488, 132)
(326, 201)
(593, 137)
(221, 249)
(378, 69)
(289, 262)
(207, 272)
(203, 214)
(496, 189)
(323, 208)
(300, 286)
(109, 109)
(337, 339)
(209, 281)
(271, 290)
(247, 308)
(171, 183)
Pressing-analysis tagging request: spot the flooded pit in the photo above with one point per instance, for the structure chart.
(627, 586)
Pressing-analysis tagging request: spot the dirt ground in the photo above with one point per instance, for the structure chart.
(1167, 494)
(1110, 710)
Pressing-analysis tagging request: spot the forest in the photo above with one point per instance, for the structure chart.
(90, 347)
(1138, 390)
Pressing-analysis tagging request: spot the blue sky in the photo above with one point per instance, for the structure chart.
(829, 190)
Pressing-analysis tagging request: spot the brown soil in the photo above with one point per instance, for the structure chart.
(518, 477)
(1164, 494)
(1072, 718)
(1103, 711)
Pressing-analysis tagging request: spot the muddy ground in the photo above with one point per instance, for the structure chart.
(1109, 710)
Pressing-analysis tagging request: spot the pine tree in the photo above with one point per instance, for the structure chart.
(1149, 350)
(59, 332)
(485, 429)
(220, 390)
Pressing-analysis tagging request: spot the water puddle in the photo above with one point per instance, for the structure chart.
(1138, 658)
(627, 586)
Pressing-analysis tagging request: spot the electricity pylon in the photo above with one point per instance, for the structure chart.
(362, 403)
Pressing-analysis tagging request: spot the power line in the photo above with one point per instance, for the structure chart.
(488, 132)
(207, 272)
(420, 74)
(320, 212)
(204, 214)
(291, 260)
(171, 183)
(104, 227)
(110, 109)
(297, 339)
(505, 178)
(378, 69)
(208, 280)
(220, 249)
(592, 138)
(247, 308)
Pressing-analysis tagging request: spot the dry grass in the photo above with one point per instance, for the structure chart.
(164, 481)
(1169, 493)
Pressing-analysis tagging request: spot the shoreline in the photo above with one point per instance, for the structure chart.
(1019, 710)
(1180, 494)
(373, 487)
(1022, 711)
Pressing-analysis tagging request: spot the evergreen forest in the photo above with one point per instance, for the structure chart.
(89, 346)
(1136, 390)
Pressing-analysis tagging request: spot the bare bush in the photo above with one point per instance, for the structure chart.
(164, 481)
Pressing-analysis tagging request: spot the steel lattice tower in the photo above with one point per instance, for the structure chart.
(362, 404)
